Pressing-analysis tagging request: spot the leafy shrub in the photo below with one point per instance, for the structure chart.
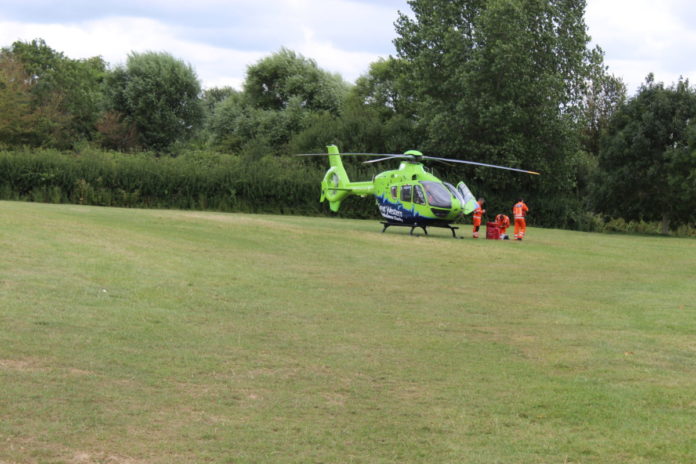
(221, 182)
(196, 180)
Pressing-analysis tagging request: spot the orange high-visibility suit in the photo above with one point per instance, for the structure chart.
(503, 223)
(520, 211)
(478, 213)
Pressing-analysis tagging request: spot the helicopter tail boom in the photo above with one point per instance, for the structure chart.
(336, 185)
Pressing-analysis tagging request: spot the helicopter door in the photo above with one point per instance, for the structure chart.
(406, 193)
(469, 200)
(418, 196)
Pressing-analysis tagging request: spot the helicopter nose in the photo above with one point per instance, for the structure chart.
(441, 212)
(457, 207)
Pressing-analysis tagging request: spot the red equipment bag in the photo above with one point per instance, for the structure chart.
(492, 231)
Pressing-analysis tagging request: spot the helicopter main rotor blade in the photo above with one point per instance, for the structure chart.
(481, 164)
(388, 158)
(386, 155)
(408, 157)
(350, 154)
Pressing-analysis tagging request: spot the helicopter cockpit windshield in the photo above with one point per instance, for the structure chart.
(438, 195)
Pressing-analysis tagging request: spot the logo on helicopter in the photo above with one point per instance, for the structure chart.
(390, 213)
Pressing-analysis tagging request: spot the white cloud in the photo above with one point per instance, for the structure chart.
(643, 36)
(115, 38)
(110, 38)
(342, 36)
(220, 38)
(349, 64)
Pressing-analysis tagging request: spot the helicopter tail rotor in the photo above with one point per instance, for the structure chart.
(336, 185)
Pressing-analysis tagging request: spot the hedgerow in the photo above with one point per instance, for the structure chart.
(195, 180)
(207, 180)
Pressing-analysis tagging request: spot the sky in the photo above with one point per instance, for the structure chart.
(220, 38)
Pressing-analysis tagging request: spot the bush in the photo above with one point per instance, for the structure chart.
(591, 222)
(206, 180)
(197, 180)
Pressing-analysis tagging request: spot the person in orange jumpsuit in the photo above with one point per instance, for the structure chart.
(503, 223)
(478, 213)
(520, 211)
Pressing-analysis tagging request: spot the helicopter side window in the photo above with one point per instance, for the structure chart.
(406, 193)
(418, 196)
(394, 192)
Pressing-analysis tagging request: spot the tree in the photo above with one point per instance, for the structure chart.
(376, 116)
(159, 95)
(117, 134)
(383, 89)
(274, 80)
(211, 97)
(236, 124)
(283, 93)
(69, 90)
(500, 81)
(18, 120)
(604, 95)
(647, 162)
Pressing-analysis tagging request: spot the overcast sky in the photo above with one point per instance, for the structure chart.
(220, 38)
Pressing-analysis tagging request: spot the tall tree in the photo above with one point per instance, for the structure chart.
(499, 81)
(647, 163)
(159, 95)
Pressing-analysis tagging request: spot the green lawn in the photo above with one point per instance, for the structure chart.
(132, 336)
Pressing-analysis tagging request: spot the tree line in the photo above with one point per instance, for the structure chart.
(510, 82)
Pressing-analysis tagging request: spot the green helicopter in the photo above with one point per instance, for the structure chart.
(408, 196)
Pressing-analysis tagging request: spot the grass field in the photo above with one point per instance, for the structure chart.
(131, 336)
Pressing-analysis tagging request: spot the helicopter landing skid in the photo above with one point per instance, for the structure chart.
(422, 226)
